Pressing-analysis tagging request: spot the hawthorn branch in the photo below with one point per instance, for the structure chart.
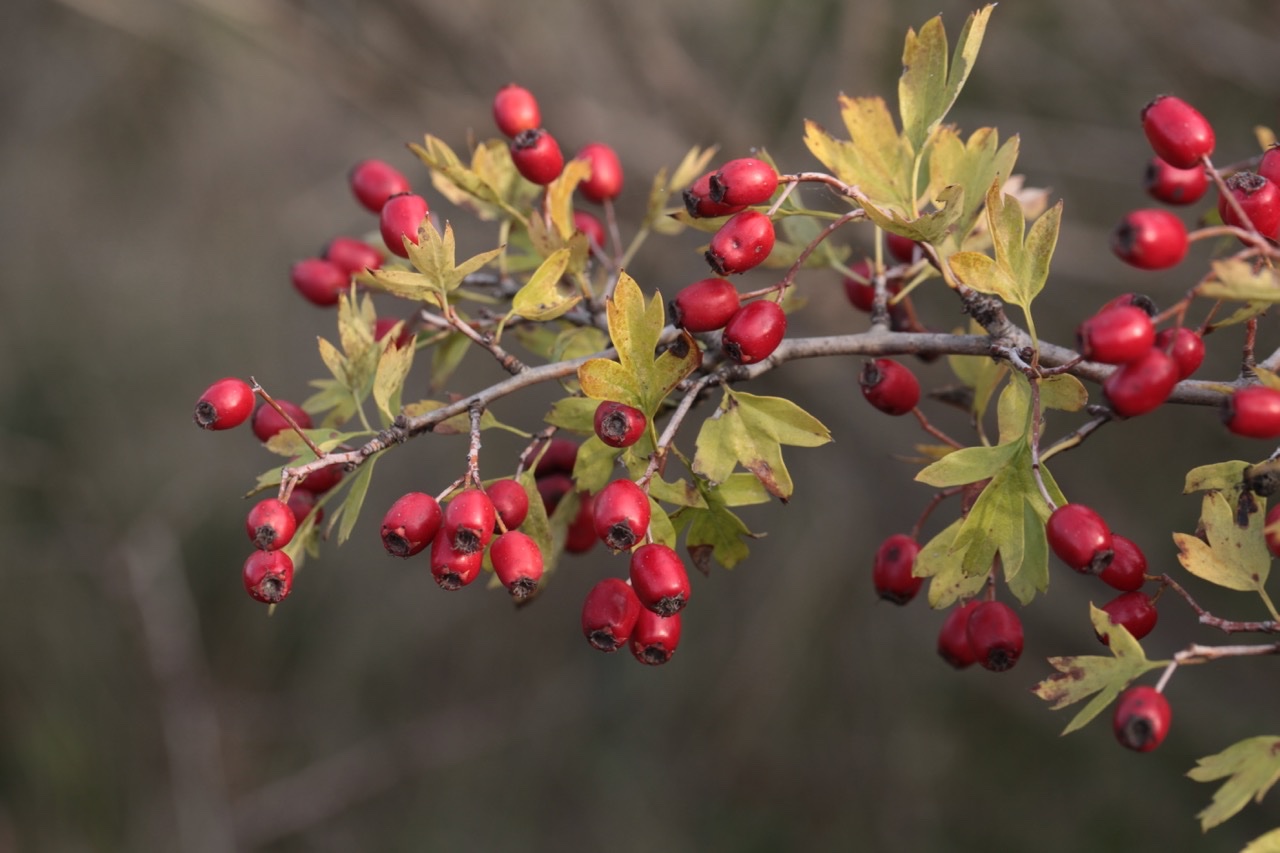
(669, 433)
(1228, 626)
(509, 362)
(1196, 653)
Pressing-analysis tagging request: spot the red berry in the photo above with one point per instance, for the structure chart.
(1136, 300)
(1150, 239)
(1128, 565)
(400, 218)
(1142, 718)
(1185, 347)
(1175, 186)
(655, 638)
(510, 502)
(890, 387)
(517, 562)
(410, 524)
(741, 243)
(322, 480)
(560, 457)
(995, 633)
(581, 536)
(1117, 335)
(891, 573)
(268, 576)
(754, 331)
(320, 282)
(609, 614)
(698, 201)
(267, 422)
(270, 524)
(515, 109)
(590, 226)
(705, 305)
(383, 326)
(953, 639)
(1273, 535)
(374, 181)
(744, 181)
(902, 248)
(1178, 133)
(1141, 385)
(351, 255)
(861, 291)
(1258, 198)
(302, 503)
(1253, 412)
(469, 521)
(619, 425)
(1269, 165)
(659, 578)
(1135, 611)
(552, 488)
(537, 156)
(451, 569)
(1080, 538)
(225, 404)
(606, 173)
(621, 515)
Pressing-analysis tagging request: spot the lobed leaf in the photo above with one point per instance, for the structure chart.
(544, 296)
(1251, 767)
(388, 381)
(1221, 476)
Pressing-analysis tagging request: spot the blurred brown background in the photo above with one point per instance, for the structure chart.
(162, 162)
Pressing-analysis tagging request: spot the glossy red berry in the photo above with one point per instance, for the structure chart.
(1117, 335)
(705, 305)
(1253, 412)
(621, 515)
(351, 255)
(451, 569)
(1175, 186)
(320, 282)
(1141, 385)
(699, 204)
(537, 156)
(1080, 538)
(515, 109)
(891, 572)
(890, 387)
(903, 249)
(1135, 300)
(1185, 347)
(592, 227)
(268, 576)
(741, 244)
(517, 562)
(1178, 133)
(267, 422)
(1128, 567)
(1142, 718)
(953, 639)
(655, 638)
(510, 502)
(322, 480)
(559, 458)
(609, 614)
(744, 181)
(302, 503)
(374, 181)
(754, 331)
(410, 524)
(1272, 528)
(1150, 239)
(270, 524)
(1269, 165)
(659, 578)
(581, 536)
(1135, 611)
(469, 520)
(225, 404)
(861, 290)
(606, 173)
(619, 425)
(995, 633)
(1259, 200)
(400, 219)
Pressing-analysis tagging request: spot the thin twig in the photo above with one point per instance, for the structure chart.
(934, 431)
(1228, 626)
(288, 418)
(509, 362)
(669, 433)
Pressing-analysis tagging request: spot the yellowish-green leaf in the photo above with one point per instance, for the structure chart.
(1268, 843)
(715, 458)
(984, 275)
(979, 373)
(781, 419)
(354, 501)
(560, 196)
(1220, 476)
(335, 361)
(1267, 378)
(388, 381)
(575, 414)
(406, 284)
(970, 465)
(660, 528)
(605, 379)
(927, 87)
(938, 561)
(446, 356)
(742, 489)
(682, 492)
(879, 162)
(1250, 767)
(1239, 281)
(595, 464)
(1063, 392)
(288, 443)
(976, 164)
(1234, 556)
(546, 296)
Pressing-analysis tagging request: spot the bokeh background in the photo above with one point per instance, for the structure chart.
(162, 162)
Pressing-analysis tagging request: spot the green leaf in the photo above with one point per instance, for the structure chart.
(546, 296)
(576, 414)
(715, 457)
(927, 87)
(715, 533)
(605, 379)
(937, 560)
(1239, 281)
(980, 373)
(1220, 476)
(1062, 392)
(1234, 557)
(289, 443)
(350, 507)
(742, 489)
(388, 381)
(1269, 843)
(595, 464)
(781, 419)
(970, 465)
(682, 492)
(1250, 767)
(660, 527)
(1079, 677)
(446, 356)
(973, 165)
(466, 187)
(878, 161)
